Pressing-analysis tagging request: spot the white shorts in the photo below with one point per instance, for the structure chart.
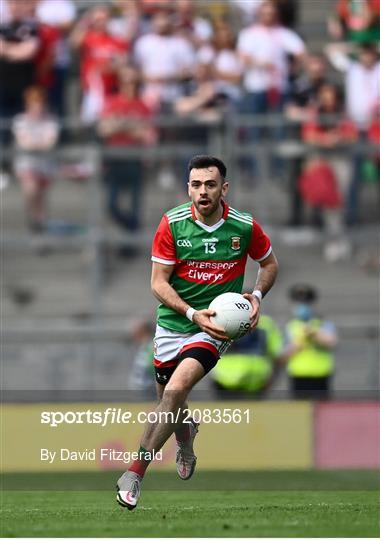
(169, 345)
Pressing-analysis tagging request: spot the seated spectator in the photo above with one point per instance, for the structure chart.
(299, 109)
(362, 89)
(125, 122)
(325, 178)
(223, 61)
(101, 55)
(19, 43)
(56, 19)
(264, 49)
(186, 23)
(356, 21)
(36, 133)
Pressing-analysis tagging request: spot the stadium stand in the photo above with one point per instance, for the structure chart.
(86, 278)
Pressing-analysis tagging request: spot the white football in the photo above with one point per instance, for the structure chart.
(232, 314)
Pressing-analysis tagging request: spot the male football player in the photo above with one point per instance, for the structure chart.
(199, 251)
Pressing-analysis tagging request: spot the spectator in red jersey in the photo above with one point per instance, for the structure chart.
(56, 19)
(36, 133)
(126, 121)
(299, 109)
(356, 20)
(325, 178)
(101, 55)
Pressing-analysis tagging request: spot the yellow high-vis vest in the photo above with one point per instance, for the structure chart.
(249, 372)
(312, 360)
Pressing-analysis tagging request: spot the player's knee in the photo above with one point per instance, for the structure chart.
(174, 396)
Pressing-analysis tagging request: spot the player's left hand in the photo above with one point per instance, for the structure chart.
(255, 313)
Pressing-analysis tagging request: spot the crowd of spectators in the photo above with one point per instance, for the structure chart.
(139, 58)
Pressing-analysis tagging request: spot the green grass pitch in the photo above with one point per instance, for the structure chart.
(241, 504)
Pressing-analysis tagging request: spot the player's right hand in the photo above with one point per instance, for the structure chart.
(203, 319)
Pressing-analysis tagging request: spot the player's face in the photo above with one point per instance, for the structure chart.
(206, 189)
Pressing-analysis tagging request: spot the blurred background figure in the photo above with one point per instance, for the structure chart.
(35, 133)
(126, 22)
(299, 109)
(223, 62)
(141, 379)
(166, 61)
(101, 55)
(251, 364)
(311, 340)
(125, 122)
(288, 12)
(19, 43)
(245, 11)
(324, 180)
(187, 23)
(264, 49)
(56, 19)
(360, 73)
(355, 21)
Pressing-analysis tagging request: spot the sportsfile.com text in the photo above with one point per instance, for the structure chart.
(114, 415)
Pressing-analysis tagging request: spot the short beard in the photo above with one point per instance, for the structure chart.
(209, 211)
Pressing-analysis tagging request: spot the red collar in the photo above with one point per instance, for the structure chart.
(226, 209)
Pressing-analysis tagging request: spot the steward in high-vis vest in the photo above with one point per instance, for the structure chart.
(251, 362)
(311, 341)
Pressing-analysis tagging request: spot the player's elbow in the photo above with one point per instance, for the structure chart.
(155, 285)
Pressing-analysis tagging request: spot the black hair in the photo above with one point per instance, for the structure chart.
(303, 292)
(205, 161)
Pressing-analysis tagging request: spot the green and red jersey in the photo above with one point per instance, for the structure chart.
(207, 260)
